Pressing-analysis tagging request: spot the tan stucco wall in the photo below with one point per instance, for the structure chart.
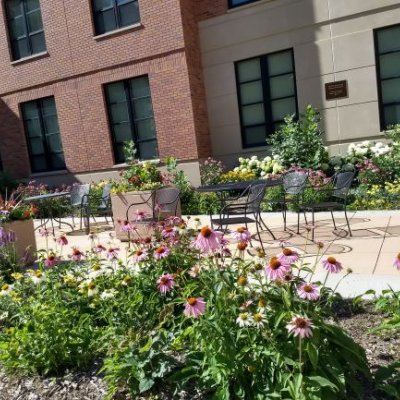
(332, 40)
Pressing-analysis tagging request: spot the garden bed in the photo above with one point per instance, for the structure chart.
(381, 351)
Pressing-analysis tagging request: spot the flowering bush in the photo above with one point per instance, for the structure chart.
(237, 176)
(9, 262)
(260, 168)
(185, 309)
(15, 210)
(210, 171)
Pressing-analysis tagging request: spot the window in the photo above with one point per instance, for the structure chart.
(110, 15)
(131, 117)
(43, 135)
(25, 28)
(267, 93)
(387, 48)
(236, 3)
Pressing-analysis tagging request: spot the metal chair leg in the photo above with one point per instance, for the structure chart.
(333, 219)
(298, 222)
(258, 233)
(347, 220)
(265, 225)
(284, 211)
(313, 225)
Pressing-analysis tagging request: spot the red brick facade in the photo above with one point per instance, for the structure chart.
(165, 47)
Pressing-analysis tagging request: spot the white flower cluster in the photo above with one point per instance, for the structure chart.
(368, 148)
(262, 167)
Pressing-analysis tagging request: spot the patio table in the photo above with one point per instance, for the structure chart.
(46, 198)
(222, 190)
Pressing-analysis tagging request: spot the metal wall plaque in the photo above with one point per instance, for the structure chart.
(336, 90)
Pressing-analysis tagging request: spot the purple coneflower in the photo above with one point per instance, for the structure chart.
(161, 252)
(112, 252)
(288, 256)
(300, 326)
(332, 265)
(168, 232)
(276, 269)
(44, 232)
(99, 249)
(126, 226)
(194, 307)
(208, 240)
(141, 215)
(76, 254)
(139, 255)
(242, 234)
(165, 283)
(308, 291)
(51, 261)
(396, 262)
(62, 240)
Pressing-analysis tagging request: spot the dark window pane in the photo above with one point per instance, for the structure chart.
(57, 161)
(51, 124)
(390, 65)
(392, 115)
(391, 91)
(283, 108)
(99, 5)
(38, 43)
(39, 163)
(148, 150)
(33, 128)
(146, 129)
(119, 153)
(106, 21)
(32, 5)
(251, 92)
(282, 86)
(17, 28)
(14, 8)
(139, 87)
(234, 3)
(253, 115)
(37, 147)
(119, 113)
(115, 92)
(122, 132)
(21, 49)
(143, 108)
(129, 14)
(30, 110)
(249, 70)
(54, 143)
(389, 39)
(49, 106)
(34, 20)
(255, 135)
(280, 63)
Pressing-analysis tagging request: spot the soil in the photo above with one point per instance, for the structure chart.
(381, 350)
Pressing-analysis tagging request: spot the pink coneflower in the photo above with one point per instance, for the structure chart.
(308, 291)
(396, 262)
(246, 305)
(161, 252)
(112, 252)
(165, 283)
(194, 307)
(99, 249)
(288, 256)
(76, 254)
(276, 270)
(168, 232)
(126, 226)
(44, 232)
(300, 326)
(62, 240)
(139, 255)
(332, 265)
(242, 234)
(208, 240)
(141, 215)
(51, 261)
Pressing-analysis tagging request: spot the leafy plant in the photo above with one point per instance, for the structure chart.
(210, 171)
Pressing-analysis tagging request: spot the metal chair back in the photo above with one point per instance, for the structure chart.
(294, 182)
(80, 194)
(105, 197)
(341, 184)
(255, 197)
(166, 201)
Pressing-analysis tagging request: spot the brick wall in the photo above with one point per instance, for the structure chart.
(165, 47)
(210, 8)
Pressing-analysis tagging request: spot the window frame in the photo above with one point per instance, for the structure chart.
(131, 115)
(47, 153)
(266, 90)
(28, 33)
(117, 16)
(379, 80)
(231, 5)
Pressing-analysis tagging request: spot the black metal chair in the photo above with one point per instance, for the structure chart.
(163, 203)
(339, 189)
(78, 201)
(294, 183)
(238, 212)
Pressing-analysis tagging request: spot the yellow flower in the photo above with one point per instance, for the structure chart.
(16, 276)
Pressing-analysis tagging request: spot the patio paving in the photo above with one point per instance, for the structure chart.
(369, 253)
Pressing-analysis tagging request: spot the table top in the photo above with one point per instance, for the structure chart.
(224, 187)
(46, 196)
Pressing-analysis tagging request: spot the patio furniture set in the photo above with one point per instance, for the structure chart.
(240, 202)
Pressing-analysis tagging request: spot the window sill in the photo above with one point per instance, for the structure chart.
(49, 173)
(119, 31)
(33, 57)
(247, 5)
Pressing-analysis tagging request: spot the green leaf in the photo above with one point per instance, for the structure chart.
(145, 384)
(323, 382)
(312, 353)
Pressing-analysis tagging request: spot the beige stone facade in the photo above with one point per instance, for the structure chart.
(332, 40)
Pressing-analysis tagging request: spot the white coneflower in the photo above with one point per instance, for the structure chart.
(259, 320)
(5, 289)
(92, 289)
(38, 277)
(243, 319)
(108, 294)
